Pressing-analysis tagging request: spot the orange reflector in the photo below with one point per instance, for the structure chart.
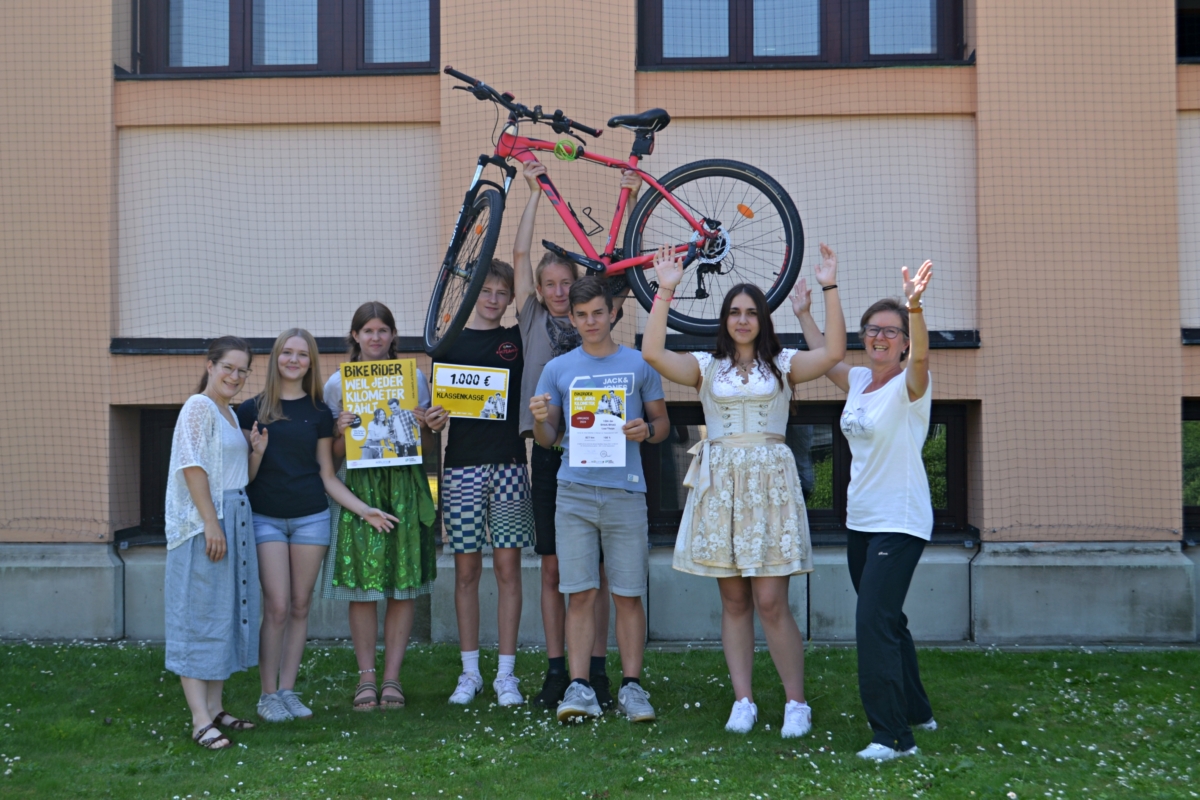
(479, 229)
(745, 211)
(445, 318)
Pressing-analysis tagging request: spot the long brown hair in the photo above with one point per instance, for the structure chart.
(269, 403)
(217, 349)
(766, 347)
(365, 313)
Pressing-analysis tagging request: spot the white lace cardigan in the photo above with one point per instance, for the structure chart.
(196, 443)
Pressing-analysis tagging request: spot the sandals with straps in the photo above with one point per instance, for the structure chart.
(395, 700)
(371, 698)
(227, 720)
(218, 742)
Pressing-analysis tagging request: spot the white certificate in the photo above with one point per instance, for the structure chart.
(596, 438)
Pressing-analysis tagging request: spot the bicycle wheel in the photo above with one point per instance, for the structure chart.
(463, 271)
(761, 240)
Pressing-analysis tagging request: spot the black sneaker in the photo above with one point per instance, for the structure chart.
(553, 690)
(600, 683)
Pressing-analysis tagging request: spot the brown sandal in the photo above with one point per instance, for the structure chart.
(366, 703)
(227, 720)
(396, 700)
(218, 742)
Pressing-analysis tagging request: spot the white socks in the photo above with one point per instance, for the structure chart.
(507, 665)
(470, 662)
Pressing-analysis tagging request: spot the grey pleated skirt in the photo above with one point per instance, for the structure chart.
(213, 609)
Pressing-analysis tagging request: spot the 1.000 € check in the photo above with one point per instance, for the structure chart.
(471, 392)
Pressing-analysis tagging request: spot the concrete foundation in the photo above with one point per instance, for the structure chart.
(61, 591)
(1053, 593)
(938, 605)
(1193, 555)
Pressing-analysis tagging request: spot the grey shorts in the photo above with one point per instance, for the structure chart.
(313, 529)
(588, 517)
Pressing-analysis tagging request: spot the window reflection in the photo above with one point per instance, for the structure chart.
(199, 33)
(812, 447)
(674, 463)
(285, 32)
(695, 28)
(787, 28)
(1191, 463)
(934, 456)
(901, 27)
(395, 31)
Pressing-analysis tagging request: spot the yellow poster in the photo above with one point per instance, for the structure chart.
(596, 437)
(382, 395)
(471, 392)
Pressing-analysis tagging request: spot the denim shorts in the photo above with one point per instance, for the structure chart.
(313, 529)
(589, 518)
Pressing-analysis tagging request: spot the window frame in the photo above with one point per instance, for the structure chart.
(1191, 514)
(845, 33)
(340, 44)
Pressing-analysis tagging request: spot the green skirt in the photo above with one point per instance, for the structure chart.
(399, 563)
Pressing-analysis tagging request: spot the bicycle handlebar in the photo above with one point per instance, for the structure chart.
(558, 121)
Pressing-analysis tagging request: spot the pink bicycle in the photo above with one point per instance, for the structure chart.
(732, 222)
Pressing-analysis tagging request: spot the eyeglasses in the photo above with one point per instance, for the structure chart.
(890, 332)
(229, 369)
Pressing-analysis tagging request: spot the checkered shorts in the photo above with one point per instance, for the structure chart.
(491, 504)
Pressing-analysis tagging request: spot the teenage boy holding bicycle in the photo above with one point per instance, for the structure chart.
(485, 491)
(601, 506)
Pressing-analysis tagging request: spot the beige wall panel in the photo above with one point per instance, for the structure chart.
(1189, 219)
(1078, 208)
(1191, 371)
(56, 188)
(250, 230)
(882, 191)
(1187, 91)
(272, 101)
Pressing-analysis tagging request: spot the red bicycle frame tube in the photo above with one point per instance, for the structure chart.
(522, 149)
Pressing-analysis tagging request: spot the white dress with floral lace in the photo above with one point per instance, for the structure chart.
(745, 513)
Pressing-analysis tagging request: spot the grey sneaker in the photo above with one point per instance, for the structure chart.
(272, 709)
(579, 701)
(930, 725)
(293, 705)
(634, 702)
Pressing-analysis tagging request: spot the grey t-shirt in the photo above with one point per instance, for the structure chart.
(624, 369)
(545, 337)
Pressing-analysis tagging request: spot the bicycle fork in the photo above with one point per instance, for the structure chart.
(510, 172)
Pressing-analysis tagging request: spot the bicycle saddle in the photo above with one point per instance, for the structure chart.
(653, 120)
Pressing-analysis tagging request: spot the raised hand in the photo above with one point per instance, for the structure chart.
(914, 287)
(539, 406)
(801, 298)
(827, 268)
(258, 439)
(631, 180)
(668, 267)
(530, 172)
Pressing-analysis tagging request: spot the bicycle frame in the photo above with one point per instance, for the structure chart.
(523, 148)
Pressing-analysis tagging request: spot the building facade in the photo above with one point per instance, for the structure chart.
(175, 170)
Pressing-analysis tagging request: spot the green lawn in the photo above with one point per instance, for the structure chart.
(92, 720)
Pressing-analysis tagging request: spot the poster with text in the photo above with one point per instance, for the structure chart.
(596, 438)
(471, 392)
(382, 396)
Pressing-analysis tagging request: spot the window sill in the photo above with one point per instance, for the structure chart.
(806, 66)
(210, 76)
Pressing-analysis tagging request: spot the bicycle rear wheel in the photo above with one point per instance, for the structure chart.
(761, 239)
(463, 271)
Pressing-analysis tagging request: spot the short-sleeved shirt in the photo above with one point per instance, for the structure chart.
(624, 369)
(889, 490)
(473, 443)
(545, 336)
(288, 483)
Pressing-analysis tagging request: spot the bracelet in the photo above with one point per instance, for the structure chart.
(827, 288)
(666, 299)
(917, 310)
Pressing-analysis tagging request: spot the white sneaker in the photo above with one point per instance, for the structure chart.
(469, 685)
(879, 752)
(272, 709)
(294, 705)
(797, 719)
(742, 717)
(634, 702)
(578, 702)
(931, 725)
(507, 693)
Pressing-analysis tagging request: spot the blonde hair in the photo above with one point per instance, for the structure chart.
(549, 259)
(270, 406)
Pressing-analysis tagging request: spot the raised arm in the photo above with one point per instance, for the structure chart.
(633, 182)
(825, 354)
(916, 375)
(678, 367)
(523, 278)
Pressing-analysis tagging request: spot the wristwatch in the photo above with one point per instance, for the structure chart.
(650, 427)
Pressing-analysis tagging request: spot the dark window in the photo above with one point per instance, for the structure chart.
(217, 37)
(1191, 469)
(747, 33)
(1187, 28)
(823, 462)
(157, 426)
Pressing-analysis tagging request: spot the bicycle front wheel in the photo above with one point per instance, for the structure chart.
(760, 239)
(463, 271)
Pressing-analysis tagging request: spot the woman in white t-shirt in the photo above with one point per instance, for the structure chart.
(888, 508)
